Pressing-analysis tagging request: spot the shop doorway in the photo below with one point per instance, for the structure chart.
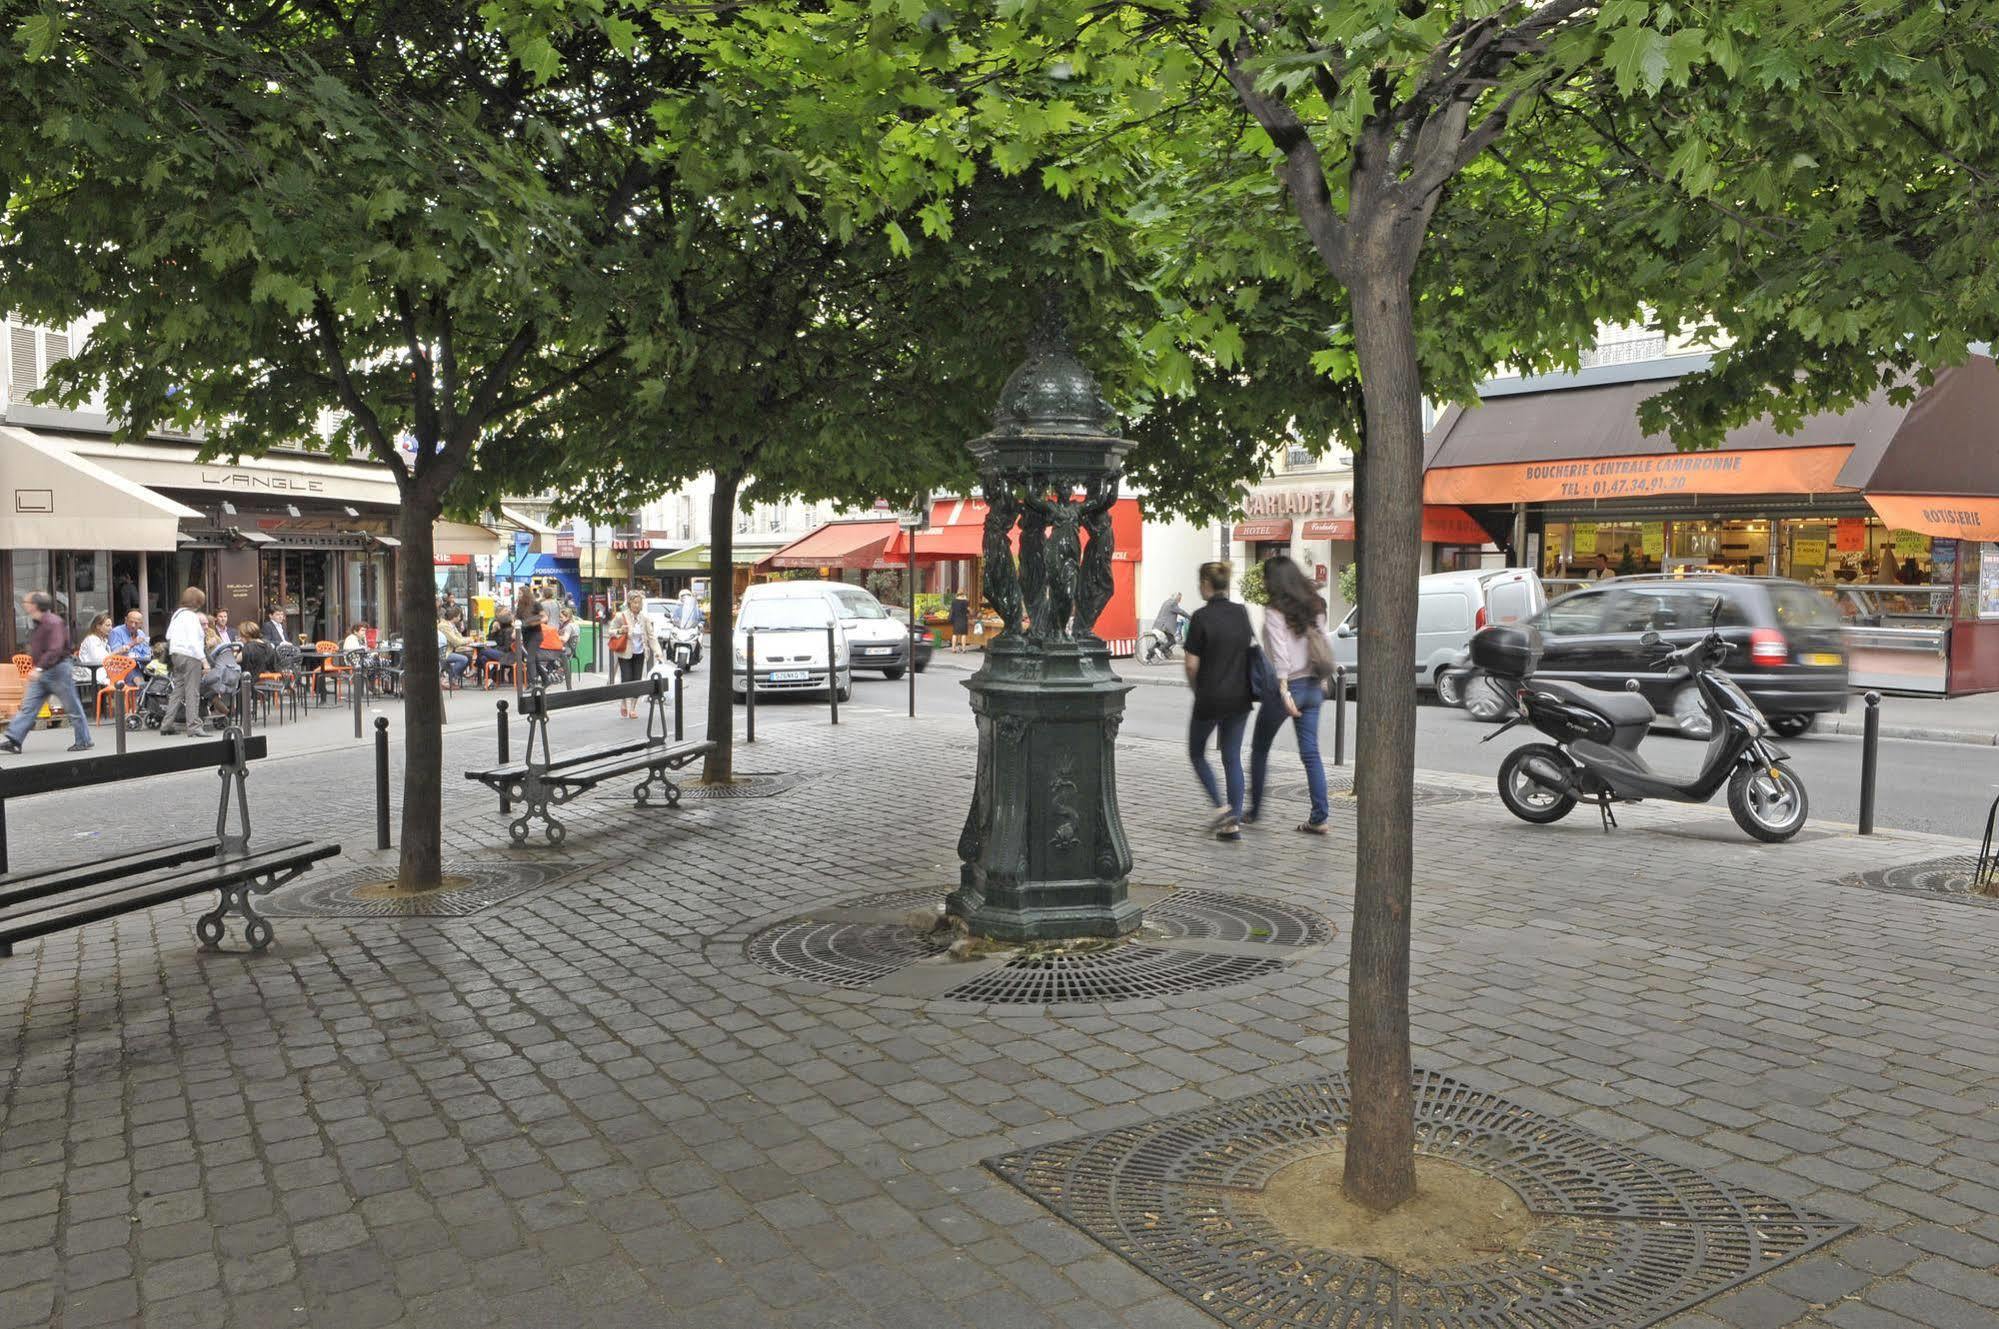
(303, 581)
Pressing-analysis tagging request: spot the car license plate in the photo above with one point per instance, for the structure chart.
(1824, 658)
(791, 676)
(878, 650)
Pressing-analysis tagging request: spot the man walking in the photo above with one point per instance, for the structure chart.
(50, 678)
(1218, 644)
(187, 656)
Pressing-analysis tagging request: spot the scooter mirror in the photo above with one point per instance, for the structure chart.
(1649, 639)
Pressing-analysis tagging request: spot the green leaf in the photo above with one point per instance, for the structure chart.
(1638, 59)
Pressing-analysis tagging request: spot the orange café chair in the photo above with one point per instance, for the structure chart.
(335, 673)
(118, 667)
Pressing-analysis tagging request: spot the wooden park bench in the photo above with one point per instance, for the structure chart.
(122, 880)
(542, 781)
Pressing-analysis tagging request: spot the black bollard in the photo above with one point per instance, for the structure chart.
(1339, 715)
(118, 714)
(832, 675)
(381, 782)
(679, 704)
(750, 684)
(912, 655)
(246, 703)
(505, 757)
(1870, 754)
(354, 688)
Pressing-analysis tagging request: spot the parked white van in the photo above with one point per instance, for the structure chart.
(1450, 607)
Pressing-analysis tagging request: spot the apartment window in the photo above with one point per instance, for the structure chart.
(774, 518)
(742, 521)
(1299, 458)
(685, 526)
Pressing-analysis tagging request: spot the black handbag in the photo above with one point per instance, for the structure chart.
(1262, 682)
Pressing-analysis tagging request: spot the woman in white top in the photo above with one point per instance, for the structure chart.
(1291, 615)
(641, 647)
(96, 644)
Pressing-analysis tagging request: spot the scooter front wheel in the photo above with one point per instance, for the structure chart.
(1768, 801)
(1528, 798)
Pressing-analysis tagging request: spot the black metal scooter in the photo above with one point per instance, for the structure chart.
(1595, 758)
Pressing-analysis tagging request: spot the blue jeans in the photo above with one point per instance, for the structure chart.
(1229, 729)
(1270, 717)
(454, 665)
(50, 685)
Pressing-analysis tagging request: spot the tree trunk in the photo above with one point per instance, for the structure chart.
(720, 766)
(1380, 1161)
(421, 866)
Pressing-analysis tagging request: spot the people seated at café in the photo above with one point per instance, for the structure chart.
(356, 638)
(96, 644)
(259, 656)
(276, 631)
(499, 647)
(455, 649)
(130, 637)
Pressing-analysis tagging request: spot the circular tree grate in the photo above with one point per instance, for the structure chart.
(848, 955)
(766, 784)
(1119, 973)
(341, 894)
(1193, 941)
(1951, 878)
(1625, 1241)
(1211, 916)
(1340, 786)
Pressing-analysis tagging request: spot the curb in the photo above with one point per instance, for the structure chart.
(1846, 725)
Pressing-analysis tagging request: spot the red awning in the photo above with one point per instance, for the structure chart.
(1329, 528)
(958, 531)
(1447, 524)
(1263, 528)
(840, 544)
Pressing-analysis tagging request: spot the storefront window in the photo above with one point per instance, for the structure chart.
(1629, 547)
(31, 573)
(83, 588)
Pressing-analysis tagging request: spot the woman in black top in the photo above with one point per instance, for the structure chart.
(961, 621)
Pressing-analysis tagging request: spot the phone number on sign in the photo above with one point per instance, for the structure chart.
(1656, 484)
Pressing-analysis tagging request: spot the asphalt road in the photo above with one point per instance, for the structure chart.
(1946, 788)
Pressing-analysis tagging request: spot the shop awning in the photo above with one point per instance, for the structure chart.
(1794, 470)
(1260, 529)
(655, 561)
(55, 499)
(1959, 518)
(840, 544)
(464, 537)
(957, 532)
(1447, 525)
(1329, 528)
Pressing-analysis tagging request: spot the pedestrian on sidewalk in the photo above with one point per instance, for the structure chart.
(635, 644)
(527, 629)
(187, 658)
(1294, 633)
(51, 677)
(1219, 643)
(961, 623)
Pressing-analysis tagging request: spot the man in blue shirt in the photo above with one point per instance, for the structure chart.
(130, 637)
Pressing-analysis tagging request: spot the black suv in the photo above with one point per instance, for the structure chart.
(1785, 644)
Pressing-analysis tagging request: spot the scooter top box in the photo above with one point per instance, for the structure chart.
(1511, 650)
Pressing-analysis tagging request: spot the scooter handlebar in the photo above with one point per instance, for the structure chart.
(1712, 648)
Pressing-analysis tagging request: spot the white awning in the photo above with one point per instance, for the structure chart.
(463, 537)
(276, 479)
(54, 499)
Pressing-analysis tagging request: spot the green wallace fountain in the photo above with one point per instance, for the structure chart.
(1043, 851)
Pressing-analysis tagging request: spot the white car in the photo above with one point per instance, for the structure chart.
(1450, 608)
(789, 634)
(875, 639)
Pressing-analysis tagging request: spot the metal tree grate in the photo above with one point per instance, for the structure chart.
(767, 784)
(1625, 1240)
(1120, 973)
(1340, 786)
(338, 895)
(1953, 878)
(1211, 916)
(848, 955)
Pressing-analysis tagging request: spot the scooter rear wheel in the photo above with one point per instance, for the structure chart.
(1524, 796)
(1768, 801)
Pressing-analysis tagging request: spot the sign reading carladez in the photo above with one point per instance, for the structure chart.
(262, 480)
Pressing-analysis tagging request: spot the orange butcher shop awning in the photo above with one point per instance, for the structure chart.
(1806, 470)
(1448, 524)
(840, 544)
(1975, 519)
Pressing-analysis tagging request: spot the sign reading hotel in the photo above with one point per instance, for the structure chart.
(1812, 470)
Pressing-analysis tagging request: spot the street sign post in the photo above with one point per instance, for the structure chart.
(913, 523)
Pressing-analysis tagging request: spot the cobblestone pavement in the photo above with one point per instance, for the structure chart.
(585, 1106)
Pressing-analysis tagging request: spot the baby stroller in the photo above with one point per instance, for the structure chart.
(156, 686)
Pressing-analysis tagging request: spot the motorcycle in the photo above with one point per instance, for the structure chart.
(1594, 757)
(1155, 644)
(681, 643)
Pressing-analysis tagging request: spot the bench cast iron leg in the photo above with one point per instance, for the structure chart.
(669, 791)
(536, 799)
(234, 898)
